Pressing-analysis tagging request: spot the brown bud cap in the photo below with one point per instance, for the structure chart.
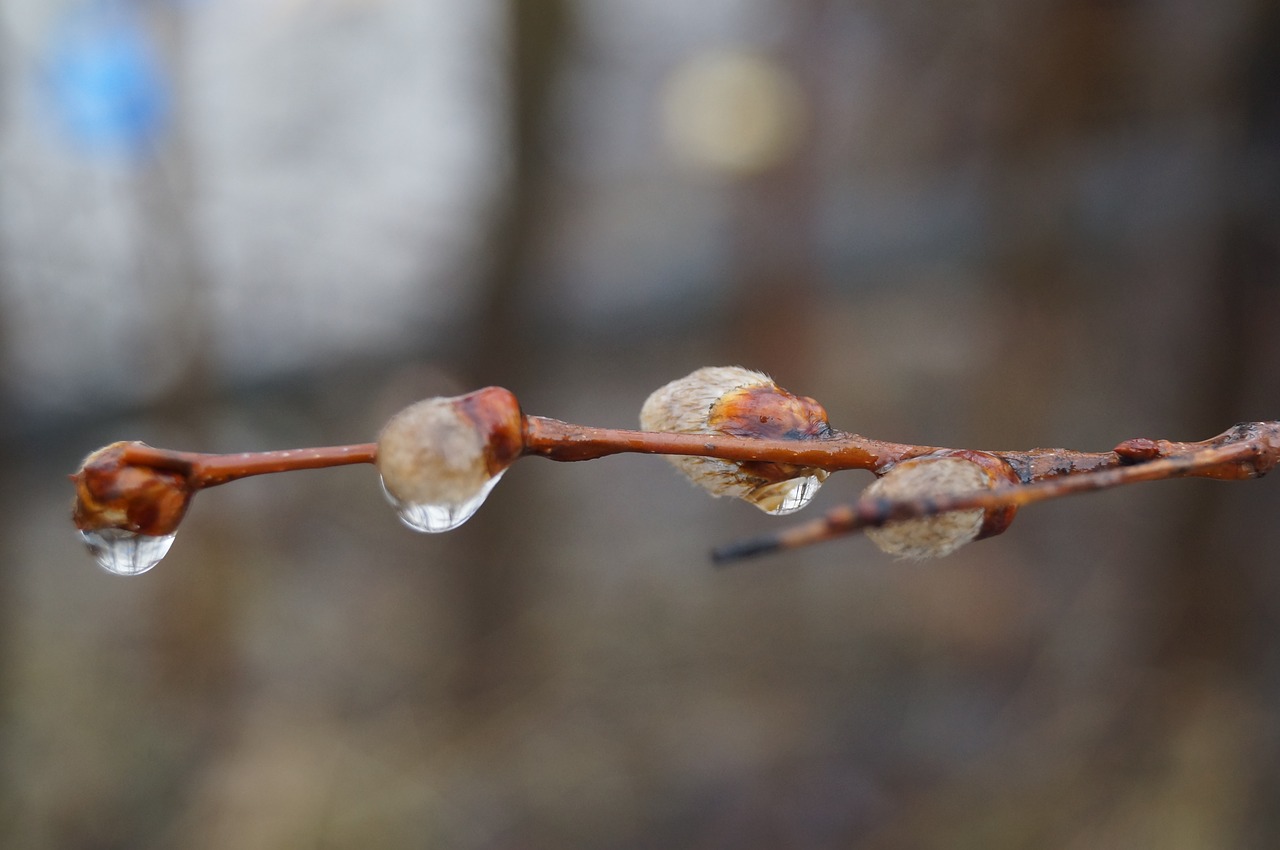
(741, 403)
(995, 520)
(443, 451)
(140, 499)
(931, 476)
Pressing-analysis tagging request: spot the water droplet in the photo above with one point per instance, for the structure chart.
(126, 553)
(786, 497)
(434, 519)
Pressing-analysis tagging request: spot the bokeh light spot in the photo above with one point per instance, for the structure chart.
(734, 112)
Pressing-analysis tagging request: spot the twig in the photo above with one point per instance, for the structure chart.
(210, 470)
(1249, 450)
(760, 432)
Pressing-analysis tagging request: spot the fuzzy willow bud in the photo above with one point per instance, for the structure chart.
(439, 458)
(739, 402)
(931, 476)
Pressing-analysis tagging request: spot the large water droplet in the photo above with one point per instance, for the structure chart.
(126, 553)
(434, 519)
(786, 497)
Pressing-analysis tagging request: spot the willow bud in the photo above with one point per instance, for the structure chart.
(114, 495)
(730, 400)
(439, 458)
(127, 515)
(929, 477)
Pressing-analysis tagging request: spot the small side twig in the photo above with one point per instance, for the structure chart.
(1248, 450)
(210, 470)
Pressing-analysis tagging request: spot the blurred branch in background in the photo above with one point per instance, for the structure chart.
(494, 586)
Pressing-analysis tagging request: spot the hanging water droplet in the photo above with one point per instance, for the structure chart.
(786, 497)
(434, 519)
(126, 553)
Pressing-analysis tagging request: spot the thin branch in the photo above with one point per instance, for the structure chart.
(146, 490)
(210, 470)
(565, 442)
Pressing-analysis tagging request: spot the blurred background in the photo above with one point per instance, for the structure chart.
(232, 225)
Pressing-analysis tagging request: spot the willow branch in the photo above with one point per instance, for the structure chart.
(1245, 451)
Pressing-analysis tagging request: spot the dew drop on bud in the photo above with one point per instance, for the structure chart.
(437, 518)
(737, 402)
(440, 458)
(785, 497)
(126, 553)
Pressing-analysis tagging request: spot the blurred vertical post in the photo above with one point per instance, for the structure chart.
(8, 516)
(193, 626)
(493, 586)
(776, 210)
(171, 248)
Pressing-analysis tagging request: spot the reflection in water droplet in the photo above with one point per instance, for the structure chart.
(437, 518)
(801, 494)
(126, 553)
(786, 497)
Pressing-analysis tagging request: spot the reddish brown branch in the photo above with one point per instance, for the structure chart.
(210, 470)
(834, 451)
(562, 441)
(145, 490)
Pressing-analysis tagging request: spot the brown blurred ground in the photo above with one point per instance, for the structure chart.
(1025, 223)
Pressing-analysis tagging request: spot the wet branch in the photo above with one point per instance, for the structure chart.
(1249, 450)
(133, 488)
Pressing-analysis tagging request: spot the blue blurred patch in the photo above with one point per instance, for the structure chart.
(107, 87)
